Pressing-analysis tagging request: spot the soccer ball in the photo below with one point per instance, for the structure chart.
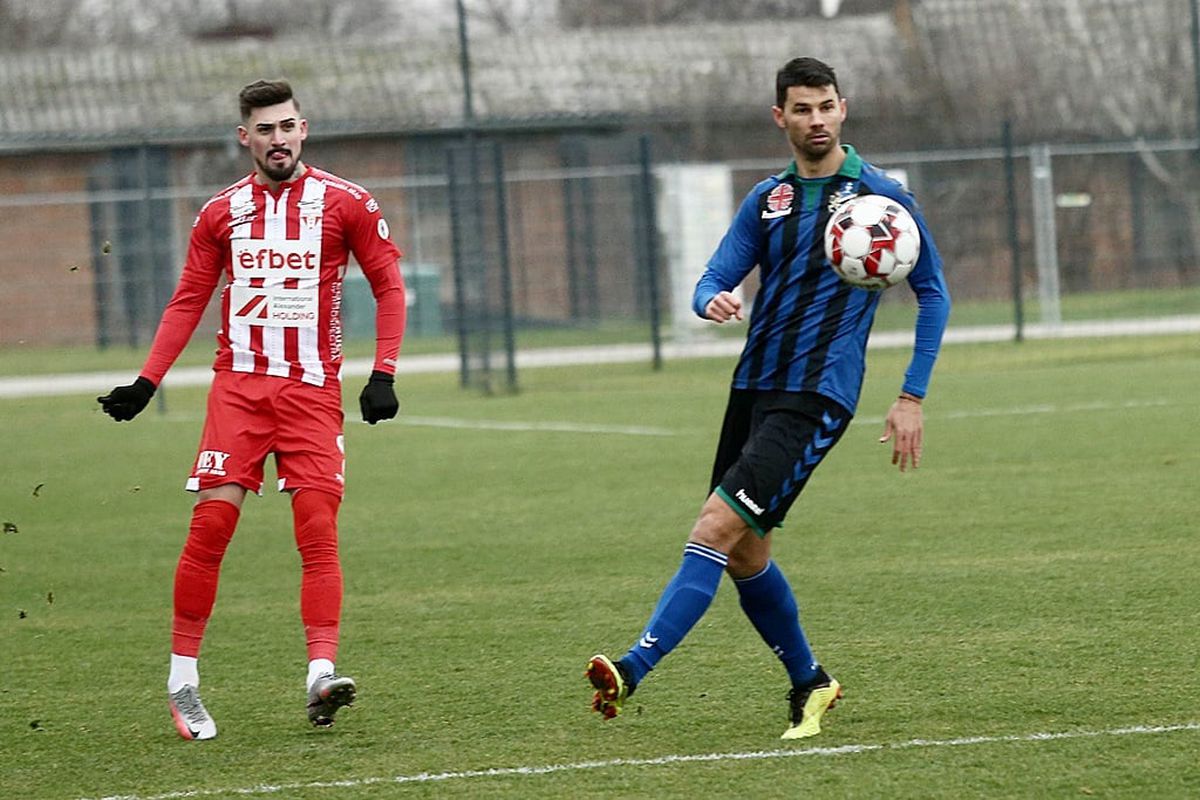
(872, 241)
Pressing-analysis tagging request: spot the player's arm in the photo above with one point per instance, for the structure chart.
(904, 425)
(371, 243)
(199, 278)
(735, 256)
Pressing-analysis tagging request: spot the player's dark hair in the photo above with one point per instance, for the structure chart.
(261, 94)
(803, 72)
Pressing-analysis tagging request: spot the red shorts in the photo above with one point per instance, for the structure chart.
(251, 415)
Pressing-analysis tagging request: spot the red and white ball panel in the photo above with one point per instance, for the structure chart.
(872, 241)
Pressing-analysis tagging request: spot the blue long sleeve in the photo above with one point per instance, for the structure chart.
(933, 312)
(735, 256)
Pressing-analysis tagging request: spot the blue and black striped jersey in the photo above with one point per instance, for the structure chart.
(808, 330)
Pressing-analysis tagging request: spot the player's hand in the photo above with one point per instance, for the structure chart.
(378, 399)
(905, 426)
(125, 402)
(724, 307)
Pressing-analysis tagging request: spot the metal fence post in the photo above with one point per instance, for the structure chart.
(649, 225)
(1014, 236)
(506, 296)
(1045, 235)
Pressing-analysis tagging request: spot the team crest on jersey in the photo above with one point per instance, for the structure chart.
(311, 212)
(844, 193)
(310, 222)
(779, 201)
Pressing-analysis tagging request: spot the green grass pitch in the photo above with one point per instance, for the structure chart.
(1037, 575)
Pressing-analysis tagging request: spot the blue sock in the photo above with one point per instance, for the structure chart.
(681, 606)
(768, 601)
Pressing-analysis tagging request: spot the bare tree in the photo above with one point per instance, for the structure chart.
(586, 13)
(28, 24)
(506, 17)
(1163, 101)
(262, 18)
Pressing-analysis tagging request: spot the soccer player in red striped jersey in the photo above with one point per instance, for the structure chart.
(281, 237)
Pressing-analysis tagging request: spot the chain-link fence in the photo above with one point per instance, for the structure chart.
(1051, 235)
(543, 241)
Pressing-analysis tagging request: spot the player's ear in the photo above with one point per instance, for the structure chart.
(842, 103)
(303, 129)
(243, 136)
(777, 113)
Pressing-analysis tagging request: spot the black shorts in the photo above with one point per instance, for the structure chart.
(771, 441)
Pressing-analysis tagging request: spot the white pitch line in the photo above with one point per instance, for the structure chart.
(755, 755)
(1043, 408)
(555, 427)
(484, 425)
(642, 430)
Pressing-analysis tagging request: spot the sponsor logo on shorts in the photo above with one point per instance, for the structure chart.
(750, 504)
(211, 462)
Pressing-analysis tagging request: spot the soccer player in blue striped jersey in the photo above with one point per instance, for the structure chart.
(795, 389)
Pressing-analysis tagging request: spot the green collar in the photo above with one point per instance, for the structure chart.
(851, 167)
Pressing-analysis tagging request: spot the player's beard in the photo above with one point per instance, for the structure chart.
(281, 172)
(814, 152)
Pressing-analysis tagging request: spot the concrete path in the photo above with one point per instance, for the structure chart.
(100, 382)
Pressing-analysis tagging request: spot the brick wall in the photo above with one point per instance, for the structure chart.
(46, 276)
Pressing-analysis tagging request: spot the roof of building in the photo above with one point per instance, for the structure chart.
(1091, 68)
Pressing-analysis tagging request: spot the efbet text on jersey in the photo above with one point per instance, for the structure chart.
(270, 258)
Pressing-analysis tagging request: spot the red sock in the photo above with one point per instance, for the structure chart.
(315, 515)
(196, 576)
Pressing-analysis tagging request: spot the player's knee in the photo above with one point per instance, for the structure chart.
(315, 517)
(718, 526)
(744, 565)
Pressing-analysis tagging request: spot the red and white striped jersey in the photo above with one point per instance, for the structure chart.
(284, 257)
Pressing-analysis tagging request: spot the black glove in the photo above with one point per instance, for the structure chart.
(126, 402)
(378, 399)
